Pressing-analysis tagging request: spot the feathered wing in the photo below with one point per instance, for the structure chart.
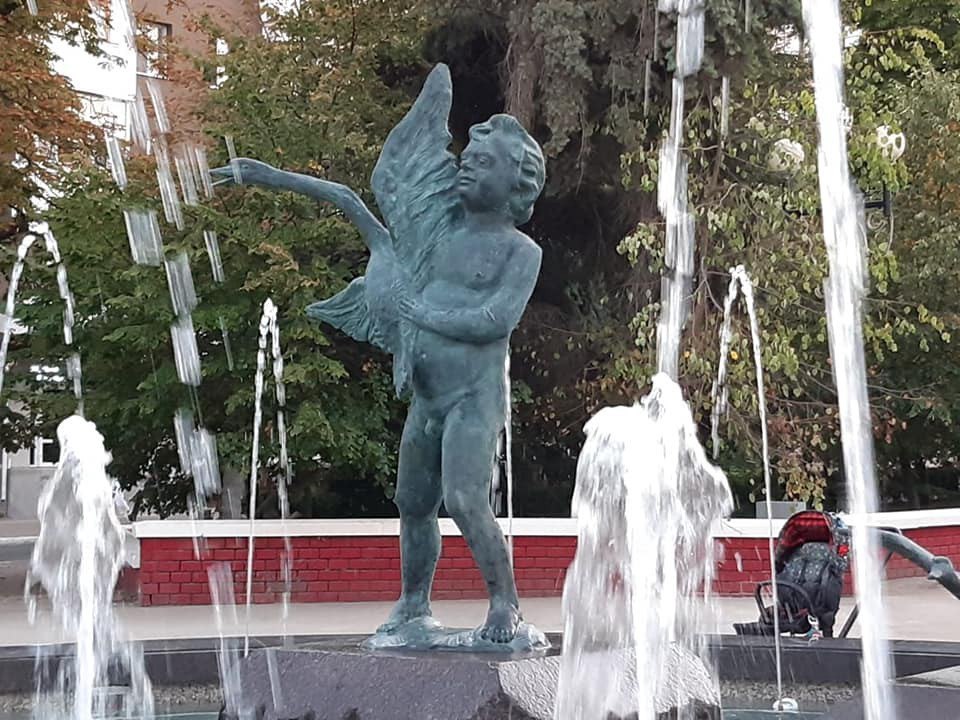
(349, 312)
(414, 178)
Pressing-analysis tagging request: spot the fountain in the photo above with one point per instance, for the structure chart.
(647, 500)
(646, 503)
(76, 560)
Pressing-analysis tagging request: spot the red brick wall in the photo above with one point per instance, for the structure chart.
(346, 569)
(336, 569)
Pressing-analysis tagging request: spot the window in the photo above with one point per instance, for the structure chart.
(45, 452)
(154, 48)
(217, 75)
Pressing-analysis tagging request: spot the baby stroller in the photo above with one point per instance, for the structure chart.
(811, 556)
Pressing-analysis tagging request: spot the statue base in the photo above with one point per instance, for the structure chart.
(325, 682)
(428, 634)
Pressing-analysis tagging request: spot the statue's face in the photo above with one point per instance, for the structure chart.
(487, 176)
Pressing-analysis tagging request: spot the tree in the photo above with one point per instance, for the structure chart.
(320, 100)
(323, 97)
(576, 71)
(42, 131)
(41, 126)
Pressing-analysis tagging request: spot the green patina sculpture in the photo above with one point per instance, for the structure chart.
(447, 281)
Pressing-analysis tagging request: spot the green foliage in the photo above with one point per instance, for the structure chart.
(316, 102)
(589, 337)
(321, 97)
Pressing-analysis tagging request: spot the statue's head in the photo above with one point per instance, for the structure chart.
(501, 167)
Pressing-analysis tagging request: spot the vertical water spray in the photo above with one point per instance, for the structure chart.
(220, 576)
(646, 501)
(672, 191)
(77, 559)
(844, 290)
(269, 332)
(283, 481)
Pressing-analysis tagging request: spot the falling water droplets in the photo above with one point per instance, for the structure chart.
(180, 282)
(185, 351)
(197, 450)
(143, 232)
(187, 181)
(213, 252)
(115, 158)
(140, 124)
(232, 154)
(203, 170)
(226, 342)
(220, 577)
(168, 190)
(725, 106)
(159, 107)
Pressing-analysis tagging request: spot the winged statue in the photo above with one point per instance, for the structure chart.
(447, 282)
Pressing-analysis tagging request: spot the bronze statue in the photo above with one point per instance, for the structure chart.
(447, 282)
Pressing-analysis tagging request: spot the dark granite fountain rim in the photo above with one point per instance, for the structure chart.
(193, 661)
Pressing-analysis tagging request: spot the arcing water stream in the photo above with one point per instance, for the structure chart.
(740, 279)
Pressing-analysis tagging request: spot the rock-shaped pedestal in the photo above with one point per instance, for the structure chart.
(354, 684)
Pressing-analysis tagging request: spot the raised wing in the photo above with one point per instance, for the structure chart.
(414, 178)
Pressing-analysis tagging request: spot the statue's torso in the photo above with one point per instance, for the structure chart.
(466, 272)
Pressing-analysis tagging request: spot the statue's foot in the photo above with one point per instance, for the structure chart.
(404, 611)
(503, 621)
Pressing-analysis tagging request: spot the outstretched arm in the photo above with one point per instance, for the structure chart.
(255, 172)
(493, 320)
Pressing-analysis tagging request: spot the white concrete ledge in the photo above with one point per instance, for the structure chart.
(543, 527)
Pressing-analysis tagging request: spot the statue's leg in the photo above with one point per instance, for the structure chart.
(469, 447)
(418, 499)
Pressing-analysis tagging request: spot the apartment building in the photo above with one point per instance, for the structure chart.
(173, 36)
